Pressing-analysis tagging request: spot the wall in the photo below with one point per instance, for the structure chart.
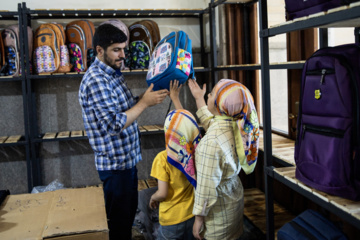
(72, 162)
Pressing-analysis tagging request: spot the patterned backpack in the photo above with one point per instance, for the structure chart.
(120, 25)
(171, 59)
(79, 35)
(51, 54)
(144, 36)
(10, 37)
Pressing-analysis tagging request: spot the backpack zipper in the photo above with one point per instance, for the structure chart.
(62, 34)
(322, 72)
(330, 132)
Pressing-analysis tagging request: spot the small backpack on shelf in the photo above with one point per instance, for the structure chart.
(171, 59)
(79, 36)
(51, 54)
(144, 36)
(327, 147)
(10, 37)
(120, 25)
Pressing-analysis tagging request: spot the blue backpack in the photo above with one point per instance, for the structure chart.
(310, 225)
(171, 59)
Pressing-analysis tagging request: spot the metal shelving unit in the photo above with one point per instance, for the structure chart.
(36, 138)
(24, 139)
(345, 16)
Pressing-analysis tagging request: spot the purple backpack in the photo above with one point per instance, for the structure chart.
(301, 8)
(328, 140)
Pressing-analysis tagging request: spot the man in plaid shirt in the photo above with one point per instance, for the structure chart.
(109, 112)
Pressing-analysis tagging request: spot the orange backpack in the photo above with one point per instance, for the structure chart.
(50, 54)
(79, 35)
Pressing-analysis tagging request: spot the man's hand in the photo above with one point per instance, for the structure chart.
(151, 98)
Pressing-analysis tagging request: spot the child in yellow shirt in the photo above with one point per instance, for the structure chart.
(175, 170)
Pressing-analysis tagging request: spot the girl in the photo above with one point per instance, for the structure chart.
(229, 145)
(175, 170)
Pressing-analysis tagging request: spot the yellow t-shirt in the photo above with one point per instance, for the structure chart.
(178, 205)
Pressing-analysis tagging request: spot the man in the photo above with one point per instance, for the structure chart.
(109, 112)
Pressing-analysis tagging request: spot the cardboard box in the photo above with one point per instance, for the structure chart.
(65, 214)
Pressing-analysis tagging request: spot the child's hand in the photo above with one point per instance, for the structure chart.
(174, 89)
(153, 204)
(174, 93)
(195, 89)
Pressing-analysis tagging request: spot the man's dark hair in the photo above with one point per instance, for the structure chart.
(107, 34)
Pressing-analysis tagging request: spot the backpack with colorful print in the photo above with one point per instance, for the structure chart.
(50, 52)
(79, 35)
(171, 59)
(10, 37)
(144, 36)
(120, 25)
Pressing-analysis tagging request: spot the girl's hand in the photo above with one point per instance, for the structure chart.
(196, 91)
(198, 227)
(174, 93)
(153, 204)
(174, 89)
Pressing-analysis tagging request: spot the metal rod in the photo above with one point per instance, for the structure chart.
(266, 99)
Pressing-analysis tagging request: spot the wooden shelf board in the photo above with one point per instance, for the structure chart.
(349, 206)
(13, 139)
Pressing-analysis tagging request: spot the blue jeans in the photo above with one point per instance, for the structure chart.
(121, 200)
(180, 231)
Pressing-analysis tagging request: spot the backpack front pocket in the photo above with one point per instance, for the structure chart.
(11, 61)
(44, 59)
(76, 57)
(140, 55)
(322, 153)
(183, 62)
(160, 60)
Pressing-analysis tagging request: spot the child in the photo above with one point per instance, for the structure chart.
(229, 145)
(174, 169)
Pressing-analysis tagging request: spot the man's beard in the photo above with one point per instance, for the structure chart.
(107, 61)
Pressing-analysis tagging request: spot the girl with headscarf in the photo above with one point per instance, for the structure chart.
(175, 170)
(229, 145)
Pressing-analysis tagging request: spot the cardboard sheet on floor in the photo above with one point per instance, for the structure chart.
(58, 215)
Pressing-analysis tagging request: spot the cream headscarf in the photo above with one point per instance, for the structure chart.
(182, 135)
(234, 101)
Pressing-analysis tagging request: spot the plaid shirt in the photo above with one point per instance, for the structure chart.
(104, 97)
